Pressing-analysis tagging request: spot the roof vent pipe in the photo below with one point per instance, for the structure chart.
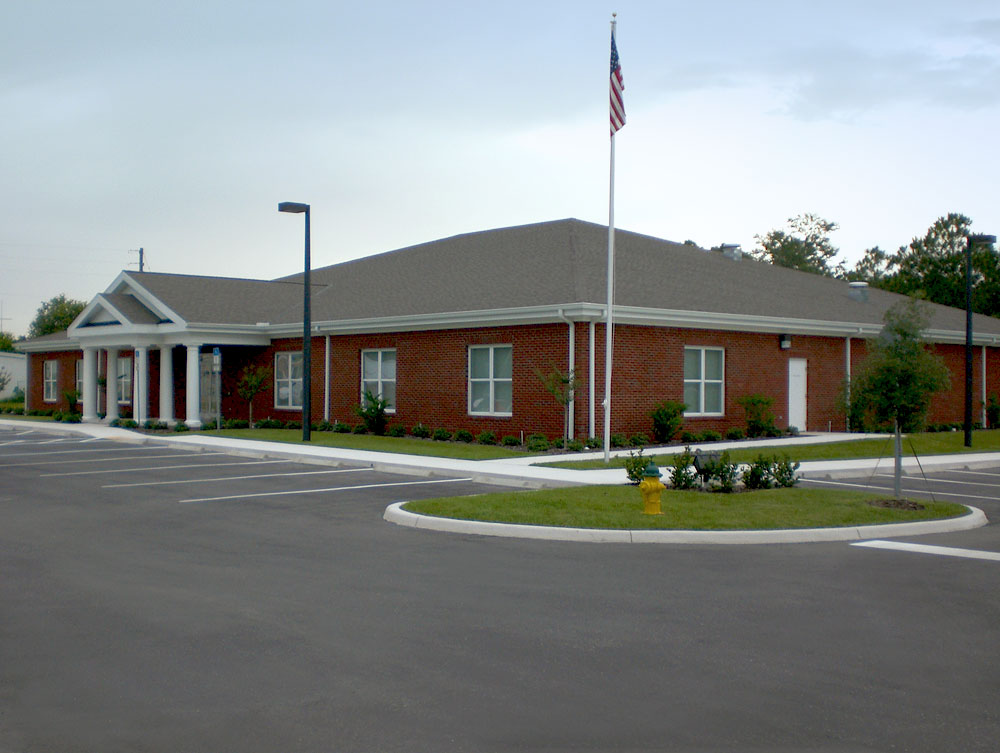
(732, 251)
(858, 291)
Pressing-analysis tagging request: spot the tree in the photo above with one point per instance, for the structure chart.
(7, 341)
(253, 381)
(55, 315)
(872, 268)
(897, 379)
(4, 378)
(561, 385)
(806, 247)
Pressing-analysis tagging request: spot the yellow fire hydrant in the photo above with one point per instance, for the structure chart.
(650, 488)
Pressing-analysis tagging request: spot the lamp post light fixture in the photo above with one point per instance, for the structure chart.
(295, 207)
(970, 241)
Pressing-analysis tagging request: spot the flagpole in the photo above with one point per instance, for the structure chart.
(617, 121)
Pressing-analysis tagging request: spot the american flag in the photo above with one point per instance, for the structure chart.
(617, 87)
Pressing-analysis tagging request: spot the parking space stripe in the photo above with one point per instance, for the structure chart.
(233, 478)
(329, 489)
(118, 458)
(941, 551)
(937, 480)
(46, 453)
(887, 489)
(160, 468)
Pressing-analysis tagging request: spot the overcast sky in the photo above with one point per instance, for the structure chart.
(178, 126)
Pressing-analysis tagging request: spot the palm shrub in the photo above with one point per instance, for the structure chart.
(667, 419)
(373, 413)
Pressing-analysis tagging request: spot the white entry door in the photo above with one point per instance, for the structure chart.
(797, 393)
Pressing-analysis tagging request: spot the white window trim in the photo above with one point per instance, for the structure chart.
(290, 380)
(124, 376)
(78, 384)
(491, 379)
(703, 381)
(50, 381)
(378, 378)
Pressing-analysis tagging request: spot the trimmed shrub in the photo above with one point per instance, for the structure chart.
(511, 441)
(638, 440)
(463, 436)
(689, 437)
(361, 428)
(783, 470)
(341, 428)
(486, 437)
(760, 419)
(397, 430)
(758, 474)
(558, 443)
(593, 443)
(372, 412)
(321, 426)
(72, 418)
(270, 423)
(667, 419)
(722, 473)
(236, 423)
(538, 443)
(442, 435)
(618, 440)
(575, 445)
(709, 436)
(420, 431)
(293, 425)
(180, 427)
(735, 433)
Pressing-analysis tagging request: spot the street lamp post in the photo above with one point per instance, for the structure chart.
(970, 241)
(295, 207)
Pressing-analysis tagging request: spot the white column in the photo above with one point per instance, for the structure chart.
(590, 386)
(982, 417)
(140, 392)
(192, 387)
(326, 382)
(90, 385)
(111, 387)
(167, 383)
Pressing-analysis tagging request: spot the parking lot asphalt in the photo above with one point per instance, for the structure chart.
(157, 598)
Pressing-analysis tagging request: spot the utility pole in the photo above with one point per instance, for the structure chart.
(142, 265)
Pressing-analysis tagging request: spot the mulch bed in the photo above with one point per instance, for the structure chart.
(897, 504)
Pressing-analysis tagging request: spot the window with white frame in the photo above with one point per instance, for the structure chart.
(704, 370)
(378, 376)
(79, 380)
(124, 380)
(288, 380)
(50, 373)
(491, 380)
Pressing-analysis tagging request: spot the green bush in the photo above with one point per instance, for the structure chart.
(638, 440)
(372, 412)
(442, 435)
(511, 441)
(635, 464)
(341, 427)
(783, 471)
(575, 445)
(538, 443)
(689, 437)
(293, 425)
(180, 427)
(72, 418)
(420, 431)
(993, 412)
(667, 419)
(397, 430)
(593, 443)
(759, 418)
(361, 428)
(721, 474)
(758, 474)
(210, 424)
(463, 436)
(321, 426)
(270, 423)
(735, 433)
(683, 474)
(486, 437)
(618, 440)
(557, 443)
(709, 436)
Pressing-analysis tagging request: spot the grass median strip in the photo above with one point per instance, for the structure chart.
(620, 507)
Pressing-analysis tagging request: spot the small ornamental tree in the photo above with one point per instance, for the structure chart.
(561, 385)
(253, 381)
(895, 383)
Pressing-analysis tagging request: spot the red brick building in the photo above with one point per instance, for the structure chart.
(456, 333)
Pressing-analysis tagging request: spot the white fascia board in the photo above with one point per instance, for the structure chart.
(47, 347)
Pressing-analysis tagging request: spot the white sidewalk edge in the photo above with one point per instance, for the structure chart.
(395, 513)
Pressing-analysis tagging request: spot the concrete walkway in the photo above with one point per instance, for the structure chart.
(525, 472)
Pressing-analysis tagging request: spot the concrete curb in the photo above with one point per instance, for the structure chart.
(395, 513)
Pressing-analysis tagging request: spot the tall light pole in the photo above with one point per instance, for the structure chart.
(295, 207)
(970, 241)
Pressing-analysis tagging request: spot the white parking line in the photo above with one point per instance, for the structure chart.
(118, 458)
(937, 480)
(887, 489)
(160, 468)
(330, 489)
(46, 453)
(941, 551)
(232, 478)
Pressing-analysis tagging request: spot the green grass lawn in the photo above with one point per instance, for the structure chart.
(405, 445)
(928, 443)
(620, 507)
